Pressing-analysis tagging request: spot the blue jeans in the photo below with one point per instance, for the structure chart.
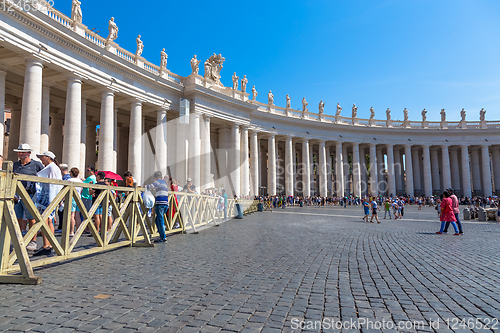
(160, 211)
(443, 223)
(457, 216)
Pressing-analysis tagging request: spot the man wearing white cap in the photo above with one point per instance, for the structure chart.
(26, 166)
(46, 193)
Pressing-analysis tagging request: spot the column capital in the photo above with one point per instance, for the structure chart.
(355, 144)
(407, 145)
(444, 146)
(207, 117)
(425, 146)
(34, 60)
(305, 140)
(74, 77)
(485, 146)
(244, 127)
(107, 91)
(2, 72)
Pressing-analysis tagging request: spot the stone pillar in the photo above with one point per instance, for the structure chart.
(194, 149)
(417, 184)
(235, 159)
(339, 170)
(466, 183)
(135, 141)
(115, 138)
(356, 169)
(31, 113)
(476, 170)
(56, 131)
(496, 169)
(106, 131)
(398, 170)
(289, 177)
(15, 125)
(161, 141)
(222, 144)
(72, 123)
(436, 182)
(306, 172)
(245, 168)
(409, 171)
(254, 163)
(485, 162)
(391, 177)
(45, 120)
(206, 154)
(373, 170)
(271, 155)
(323, 186)
(427, 171)
(294, 164)
(381, 188)
(328, 172)
(91, 145)
(345, 167)
(455, 169)
(83, 138)
(181, 166)
(445, 155)
(3, 74)
(123, 138)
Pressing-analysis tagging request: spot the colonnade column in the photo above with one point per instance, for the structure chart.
(445, 155)
(91, 146)
(245, 179)
(455, 170)
(436, 184)
(254, 163)
(72, 123)
(380, 175)
(115, 138)
(476, 171)
(15, 124)
(427, 171)
(496, 169)
(235, 159)
(398, 170)
(206, 154)
(323, 186)
(391, 177)
(135, 141)
(466, 184)
(45, 120)
(339, 170)
(161, 141)
(409, 171)
(31, 113)
(195, 150)
(106, 131)
(288, 166)
(3, 74)
(373, 170)
(306, 172)
(271, 168)
(485, 161)
(83, 137)
(356, 174)
(345, 167)
(417, 183)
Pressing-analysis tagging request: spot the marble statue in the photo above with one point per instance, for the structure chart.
(235, 81)
(388, 114)
(76, 11)
(213, 66)
(424, 115)
(321, 107)
(462, 114)
(140, 46)
(113, 30)
(372, 113)
(482, 114)
(163, 61)
(288, 102)
(304, 104)
(443, 115)
(339, 109)
(354, 111)
(270, 98)
(405, 114)
(254, 93)
(194, 65)
(244, 82)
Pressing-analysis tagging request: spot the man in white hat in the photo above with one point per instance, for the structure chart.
(26, 166)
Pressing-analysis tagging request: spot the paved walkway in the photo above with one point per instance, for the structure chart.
(275, 272)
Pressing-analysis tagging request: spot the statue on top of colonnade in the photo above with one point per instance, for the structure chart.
(304, 108)
(424, 115)
(288, 102)
(321, 107)
(443, 115)
(113, 31)
(372, 113)
(163, 60)
(213, 66)
(140, 47)
(254, 94)
(482, 114)
(462, 114)
(388, 114)
(339, 109)
(354, 111)
(235, 81)
(194, 65)
(244, 82)
(405, 115)
(76, 11)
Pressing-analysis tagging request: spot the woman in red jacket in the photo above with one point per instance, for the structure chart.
(447, 214)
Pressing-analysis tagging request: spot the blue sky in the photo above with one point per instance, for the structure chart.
(386, 54)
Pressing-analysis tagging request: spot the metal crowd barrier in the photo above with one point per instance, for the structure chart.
(133, 224)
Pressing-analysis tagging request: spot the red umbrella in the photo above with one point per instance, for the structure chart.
(112, 175)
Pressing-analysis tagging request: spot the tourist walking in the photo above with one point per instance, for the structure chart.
(366, 208)
(161, 204)
(456, 211)
(375, 210)
(447, 214)
(387, 209)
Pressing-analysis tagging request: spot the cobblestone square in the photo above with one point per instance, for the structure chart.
(274, 272)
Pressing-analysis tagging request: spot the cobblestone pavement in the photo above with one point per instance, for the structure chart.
(275, 272)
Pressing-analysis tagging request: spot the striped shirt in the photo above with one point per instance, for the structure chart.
(161, 191)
